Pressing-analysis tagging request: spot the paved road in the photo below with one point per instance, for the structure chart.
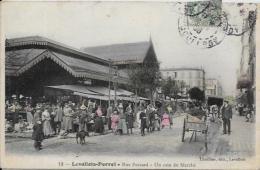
(241, 141)
(166, 142)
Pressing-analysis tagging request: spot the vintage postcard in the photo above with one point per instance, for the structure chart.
(129, 85)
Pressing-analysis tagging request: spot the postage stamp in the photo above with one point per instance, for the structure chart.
(204, 13)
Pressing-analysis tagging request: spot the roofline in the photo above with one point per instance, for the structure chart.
(182, 69)
(115, 44)
(120, 62)
(78, 74)
(42, 41)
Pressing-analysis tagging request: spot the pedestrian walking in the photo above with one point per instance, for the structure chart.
(226, 111)
(29, 115)
(108, 116)
(58, 118)
(143, 122)
(122, 128)
(52, 116)
(240, 109)
(47, 130)
(157, 120)
(38, 114)
(129, 118)
(38, 135)
(165, 120)
(68, 119)
(83, 118)
(99, 124)
(170, 113)
(114, 121)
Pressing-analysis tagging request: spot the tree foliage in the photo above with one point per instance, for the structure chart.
(197, 94)
(144, 76)
(172, 88)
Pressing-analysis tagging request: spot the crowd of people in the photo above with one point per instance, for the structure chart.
(246, 110)
(62, 118)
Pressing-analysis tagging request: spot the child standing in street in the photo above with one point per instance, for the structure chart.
(38, 135)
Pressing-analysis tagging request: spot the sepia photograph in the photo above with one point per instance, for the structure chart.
(129, 85)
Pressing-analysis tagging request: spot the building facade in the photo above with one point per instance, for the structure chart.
(37, 66)
(213, 87)
(192, 77)
(246, 72)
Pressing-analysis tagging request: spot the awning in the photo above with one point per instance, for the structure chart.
(99, 92)
(74, 88)
(99, 97)
(105, 91)
(244, 82)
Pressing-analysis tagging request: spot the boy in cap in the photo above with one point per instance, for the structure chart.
(38, 135)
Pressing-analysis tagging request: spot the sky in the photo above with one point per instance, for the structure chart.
(82, 24)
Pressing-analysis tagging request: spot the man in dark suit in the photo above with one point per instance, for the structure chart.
(226, 111)
(143, 122)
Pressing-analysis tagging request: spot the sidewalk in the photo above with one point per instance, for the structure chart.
(241, 140)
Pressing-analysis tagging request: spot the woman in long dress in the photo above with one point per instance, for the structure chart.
(99, 124)
(68, 118)
(122, 128)
(29, 115)
(47, 130)
(114, 121)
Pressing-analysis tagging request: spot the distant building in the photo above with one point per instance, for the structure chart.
(213, 87)
(192, 77)
(126, 55)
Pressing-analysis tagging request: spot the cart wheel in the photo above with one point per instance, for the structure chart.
(183, 131)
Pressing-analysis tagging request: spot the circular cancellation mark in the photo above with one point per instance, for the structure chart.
(202, 36)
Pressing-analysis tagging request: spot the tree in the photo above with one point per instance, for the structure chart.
(145, 76)
(172, 88)
(197, 94)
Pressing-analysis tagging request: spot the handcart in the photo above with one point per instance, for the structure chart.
(195, 125)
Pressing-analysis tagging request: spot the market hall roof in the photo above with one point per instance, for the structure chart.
(121, 53)
(24, 53)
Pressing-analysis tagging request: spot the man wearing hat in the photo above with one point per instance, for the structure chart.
(38, 113)
(226, 111)
(58, 118)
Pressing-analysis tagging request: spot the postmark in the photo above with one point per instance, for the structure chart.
(206, 26)
(241, 20)
(200, 36)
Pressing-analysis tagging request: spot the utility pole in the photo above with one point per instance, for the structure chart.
(115, 83)
(109, 84)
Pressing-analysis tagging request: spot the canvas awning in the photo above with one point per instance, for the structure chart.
(97, 92)
(244, 82)
(74, 88)
(99, 97)
(105, 91)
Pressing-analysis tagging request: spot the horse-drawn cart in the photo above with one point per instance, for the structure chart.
(195, 125)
